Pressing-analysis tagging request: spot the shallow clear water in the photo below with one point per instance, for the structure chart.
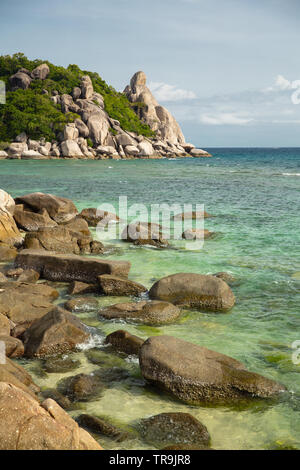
(254, 195)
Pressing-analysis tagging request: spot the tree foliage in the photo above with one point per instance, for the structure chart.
(33, 112)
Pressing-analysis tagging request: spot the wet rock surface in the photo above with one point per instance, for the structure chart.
(113, 285)
(101, 426)
(56, 332)
(125, 342)
(195, 374)
(151, 313)
(60, 364)
(167, 429)
(66, 268)
(81, 387)
(194, 290)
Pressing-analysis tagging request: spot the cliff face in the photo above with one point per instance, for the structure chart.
(157, 117)
(78, 111)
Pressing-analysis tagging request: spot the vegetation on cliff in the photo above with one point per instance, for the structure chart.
(33, 112)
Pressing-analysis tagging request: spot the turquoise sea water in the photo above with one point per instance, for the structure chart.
(254, 196)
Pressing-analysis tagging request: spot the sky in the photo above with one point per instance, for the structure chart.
(227, 70)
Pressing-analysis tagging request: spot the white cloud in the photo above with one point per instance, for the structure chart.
(282, 84)
(224, 119)
(164, 92)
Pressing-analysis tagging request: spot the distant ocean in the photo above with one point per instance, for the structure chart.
(254, 195)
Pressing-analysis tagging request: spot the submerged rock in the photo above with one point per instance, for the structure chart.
(60, 364)
(100, 426)
(192, 215)
(113, 285)
(125, 342)
(194, 290)
(195, 374)
(55, 333)
(27, 425)
(155, 312)
(58, 267)
(197, 234)
(174, 428)
(81, 387)
(101, 358)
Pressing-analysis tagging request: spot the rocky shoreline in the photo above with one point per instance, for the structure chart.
(94, 134)
(43, 246)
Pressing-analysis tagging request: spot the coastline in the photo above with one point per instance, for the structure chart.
(208, 329)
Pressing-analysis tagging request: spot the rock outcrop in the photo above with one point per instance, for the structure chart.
(25, 303)
(195, 374)
(28, 425)
(9, 232)
(67, 268)
(60, 209)
(158, 118)
(94, 134)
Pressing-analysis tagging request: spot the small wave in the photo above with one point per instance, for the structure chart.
(291, 174)
(94, 341)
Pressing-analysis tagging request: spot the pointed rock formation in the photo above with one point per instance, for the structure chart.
(157, 117)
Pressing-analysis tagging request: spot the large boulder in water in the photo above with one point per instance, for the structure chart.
(60, 209)
(66, 268)
(28, 425)
(144, 233)
(125, 342)
(113, 285)
(199, 291)
(155, 312)
(57, 332)
(195, 374)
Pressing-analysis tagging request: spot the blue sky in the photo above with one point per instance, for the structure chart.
(226, 69)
